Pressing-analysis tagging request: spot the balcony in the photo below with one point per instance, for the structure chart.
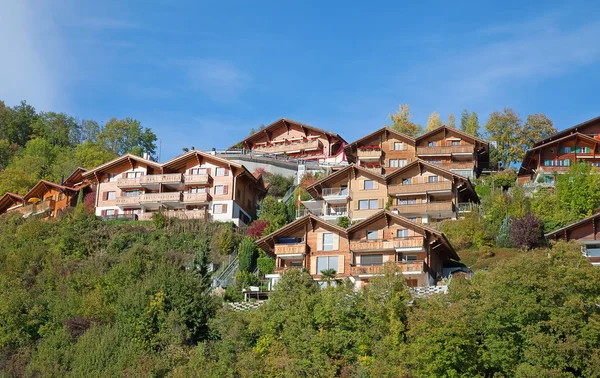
(290, 147)
(131, 182)
(445, 150)
(404, 267)
(196, 197)
(169, 178)
(197, 179)
(455, 165)
(400, 189)
(366, 153)
(37, 208)
(421, 208)
(468, 207)
(371, 245)
(128, 201)
(290, 249)
(375, 169)
(337, 195)
(411, 243)
(335, 212)
(180, 214)
(168, 197)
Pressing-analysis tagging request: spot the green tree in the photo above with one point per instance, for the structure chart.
(18, 128)
(58, 129)
(89, 154)
(433, 122)
(274, 212)
(401, 122)
(16, 180)
(464, 117)
(504, 129)
(247, 254)
(579, 189)
(7, 151)
(122, 136)
(472, 125)
(503, 239)
(536, 127)
(452, 121)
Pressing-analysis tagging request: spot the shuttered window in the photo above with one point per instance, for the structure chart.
(367, 260)
(327, 262)
(327, 241)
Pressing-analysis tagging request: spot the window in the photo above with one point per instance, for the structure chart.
(393, 163)
(327, 262)
(219, 189)
(198, 171)
(402, 233)
(111, 212)
(368, 204)
(110, 177)
(414, 219)
(432, 179)
(328, 241)
(398, 146)
(61, 197)
(369, 185)
(372, 235)
(406, 201)
(343, 190)
(407, 181)
(402, 162)
(296, 264)
(220, 208)
(198, 189)
(132, 193)
(134, 174)
(221, 172)
(432, 144)
(455, 143)
(369, 260)
(111, 195)
(410, 258)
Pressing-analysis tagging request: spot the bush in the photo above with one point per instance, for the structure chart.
(266, 264)
(226, 239)
(257, 228)
(487, 252)
(344, 222)
(467, 232)
(247, 254)
(526, 232)
(159, 220)
(504, 239)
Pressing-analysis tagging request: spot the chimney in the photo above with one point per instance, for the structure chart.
(146, 156)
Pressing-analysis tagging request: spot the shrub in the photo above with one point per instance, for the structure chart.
(344, 222)
(486, 252)
(266, 264)
(467, 232)
(76, 326)
(526, 232)
(159, 220)
(226, 239)
(247, 254)
(257, 228)
(504, 239)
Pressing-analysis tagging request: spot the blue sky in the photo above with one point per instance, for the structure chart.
(203, 73)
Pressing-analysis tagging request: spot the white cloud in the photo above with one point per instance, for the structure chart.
(219, 79)
(32, 57)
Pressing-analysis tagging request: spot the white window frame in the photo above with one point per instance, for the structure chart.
(372, 232)
(222, 190)
(328, 264)
(328, 246)
(221, 170)
(372, 182)
(108, 195)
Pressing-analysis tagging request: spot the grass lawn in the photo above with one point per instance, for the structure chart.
(473, 258)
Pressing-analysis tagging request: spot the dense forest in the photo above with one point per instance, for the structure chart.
(81, 297)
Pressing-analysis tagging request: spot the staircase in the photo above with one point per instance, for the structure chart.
(225, 276)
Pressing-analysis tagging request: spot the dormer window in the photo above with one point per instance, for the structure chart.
(432, 144)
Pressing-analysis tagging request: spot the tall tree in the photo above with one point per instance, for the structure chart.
(472, 125)
(19, 125)
(579, 189)
(452, 121)
(401, 122)
(536, 127)
(433, 122)
(464, 116)
(504, 129)
(127, 135)
(57, 128)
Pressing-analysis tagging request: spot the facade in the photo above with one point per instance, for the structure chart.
(386, 150)
(195, 185)
(424, 192)
(45, 199)
(361, 251)
(587, 231)
(296, 140)
(555, 154)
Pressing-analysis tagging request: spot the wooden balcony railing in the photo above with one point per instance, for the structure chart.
(424, 207)
(455, 165)
(413, 266)
(39, 207)
(371, 245)
(409, 242)
(396, 189)
(335, 192)
(197, 179)
(290, 249)
(445, 150)
(169, 178)
(180, 214)
(134, 200)
(196, 197)
(160, 197)
(131, 182)
(368, 154)
(293, 146)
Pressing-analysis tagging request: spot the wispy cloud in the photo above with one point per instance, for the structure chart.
(221, 80)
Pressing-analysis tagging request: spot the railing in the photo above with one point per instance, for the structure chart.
(377, 170)
(456, 165)
(37, 207)
(316, 144)
(290, 249)
(281, 269)
(336, 212)
(419, 187)
(409, 242)
(304, 212)
(129, 217)
(413, 266)
(364, 153)
(198, 179)
(423, 207)
(179, 214)
(129, 182)
(335, 192)
(445, 150)
(134, 200)
(196, 197)
(371, 245)
(466, 207)
(161, 179)
(160, 197)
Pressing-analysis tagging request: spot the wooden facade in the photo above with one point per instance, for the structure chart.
(195, 185)
(361, 251)
(45, 199)
(422, 191)
(296, 140)
(586, 231)
(387, 150)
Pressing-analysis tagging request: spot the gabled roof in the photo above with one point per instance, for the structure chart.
(8, 200)
(408, 224)
(570, 130)
(299, 223)
(75, 177)
(285, 122)
(312, 189)
(179, 161)
(119, 160)
(382, 130)
(42, 186)
(571, 226)
(461, 133)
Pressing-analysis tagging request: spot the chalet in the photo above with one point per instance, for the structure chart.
(10, 202)
(586, 231)
(555, 154)
(386, 150)
(361, 251)
(195, 185)
(296, 140)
